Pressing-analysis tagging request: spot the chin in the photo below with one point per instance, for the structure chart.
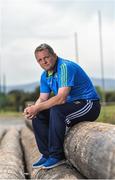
(47, 69)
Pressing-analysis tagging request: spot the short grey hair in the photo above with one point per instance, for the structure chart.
(44, 46)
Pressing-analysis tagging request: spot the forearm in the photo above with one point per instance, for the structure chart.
(43, 97)
(45, 103)
(56, 100)
(39, 100)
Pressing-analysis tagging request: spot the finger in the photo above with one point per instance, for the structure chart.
(27, 116)
(31, 117)
(25, 113)
(25, 110)
(34, 116)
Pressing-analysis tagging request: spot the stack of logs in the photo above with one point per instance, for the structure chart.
(89, 149)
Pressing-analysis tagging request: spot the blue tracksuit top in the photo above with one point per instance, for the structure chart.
(69, 74)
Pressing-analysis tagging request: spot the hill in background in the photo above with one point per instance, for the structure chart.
(109, 85)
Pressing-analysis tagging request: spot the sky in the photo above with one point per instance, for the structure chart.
(25, 24)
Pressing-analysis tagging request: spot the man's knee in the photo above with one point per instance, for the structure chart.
(57, 118)
(55, 110)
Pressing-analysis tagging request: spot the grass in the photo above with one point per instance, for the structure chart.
(10, 114)
(107, 114)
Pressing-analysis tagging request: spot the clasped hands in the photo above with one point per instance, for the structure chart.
(30, 111)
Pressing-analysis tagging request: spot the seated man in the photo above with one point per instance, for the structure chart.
(75, 99)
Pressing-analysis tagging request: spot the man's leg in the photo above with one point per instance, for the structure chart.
(64, 115)
(57, 129)
(41, 131)
(68, 114)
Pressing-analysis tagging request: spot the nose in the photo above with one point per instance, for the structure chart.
(44, 61)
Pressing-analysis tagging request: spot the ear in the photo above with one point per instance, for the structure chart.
(55, 55)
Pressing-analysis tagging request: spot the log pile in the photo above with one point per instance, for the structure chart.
(11, 157)
(90, 148)
(31, 155)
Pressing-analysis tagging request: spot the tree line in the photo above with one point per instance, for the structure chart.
(16, 100)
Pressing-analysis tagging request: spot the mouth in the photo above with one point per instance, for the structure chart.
(46, 67)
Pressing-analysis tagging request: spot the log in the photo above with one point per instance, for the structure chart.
(2, 133)
(30, 149)
(32, 154)
(11, 156)
(90, 148)
(29, 124)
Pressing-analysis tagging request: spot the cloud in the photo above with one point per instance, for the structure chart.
(27, 23)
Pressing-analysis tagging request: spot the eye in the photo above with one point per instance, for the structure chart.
(47, 57)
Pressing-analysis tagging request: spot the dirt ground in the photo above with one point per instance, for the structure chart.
(9, 121)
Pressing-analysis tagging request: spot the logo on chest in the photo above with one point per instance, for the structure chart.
(52, 80)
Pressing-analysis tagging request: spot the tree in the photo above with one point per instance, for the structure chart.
(16, 99)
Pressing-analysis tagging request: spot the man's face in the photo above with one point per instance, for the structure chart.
(46, 60)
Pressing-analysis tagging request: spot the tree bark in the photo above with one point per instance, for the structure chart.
(29, 124)
(11, 157)
(90, 148)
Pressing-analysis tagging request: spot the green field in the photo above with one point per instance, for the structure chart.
(107, 114)
(10, 114)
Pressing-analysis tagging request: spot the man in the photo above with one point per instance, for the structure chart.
(75, 100)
